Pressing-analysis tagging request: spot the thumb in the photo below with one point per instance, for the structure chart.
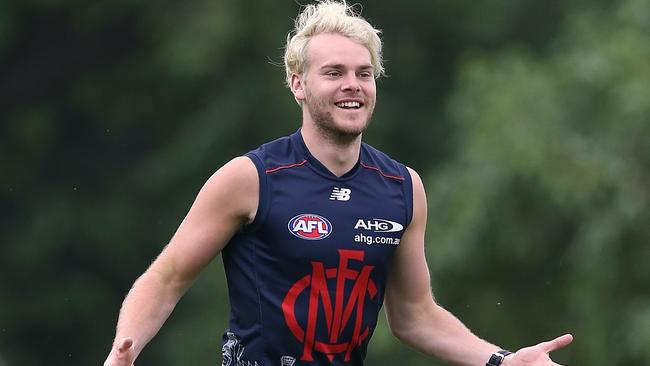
(557, 343)
(122, 353)
(123, 346)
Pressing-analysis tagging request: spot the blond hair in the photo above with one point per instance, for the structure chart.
(329, 16)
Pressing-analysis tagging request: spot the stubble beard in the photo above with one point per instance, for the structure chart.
(328, 128)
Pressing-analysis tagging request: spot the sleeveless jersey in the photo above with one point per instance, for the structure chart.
(306, 278)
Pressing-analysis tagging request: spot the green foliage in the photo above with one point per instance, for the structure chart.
(527, 120)
(549, 184)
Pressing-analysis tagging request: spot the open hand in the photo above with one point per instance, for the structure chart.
(538, 355)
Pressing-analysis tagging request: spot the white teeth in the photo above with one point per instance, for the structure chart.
(349, 104)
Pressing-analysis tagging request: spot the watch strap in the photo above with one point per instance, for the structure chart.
(497, 357)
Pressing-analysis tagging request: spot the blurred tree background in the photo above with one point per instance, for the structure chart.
(528, 121)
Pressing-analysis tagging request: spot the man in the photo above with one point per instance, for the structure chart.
(317, 230)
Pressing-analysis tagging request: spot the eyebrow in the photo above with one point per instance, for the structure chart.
(341, 66)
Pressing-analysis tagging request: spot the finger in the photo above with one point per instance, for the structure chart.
(557, 343)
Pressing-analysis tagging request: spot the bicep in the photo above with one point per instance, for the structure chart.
(227, 201)
(409, 287)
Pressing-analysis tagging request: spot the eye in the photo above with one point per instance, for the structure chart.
(366, 74)
(333, 73)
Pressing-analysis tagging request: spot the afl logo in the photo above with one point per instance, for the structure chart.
(310, 227)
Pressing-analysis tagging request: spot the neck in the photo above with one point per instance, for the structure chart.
(339, 154)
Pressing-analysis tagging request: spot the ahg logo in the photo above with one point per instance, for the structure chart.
(338, 316)
(379, 225)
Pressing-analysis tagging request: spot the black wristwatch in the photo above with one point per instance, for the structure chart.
(497, 357)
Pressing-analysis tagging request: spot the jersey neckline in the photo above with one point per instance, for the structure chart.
(316, 165)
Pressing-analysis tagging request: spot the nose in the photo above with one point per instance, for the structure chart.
(351, 84)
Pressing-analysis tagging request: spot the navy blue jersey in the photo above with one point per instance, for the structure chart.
(306, 278)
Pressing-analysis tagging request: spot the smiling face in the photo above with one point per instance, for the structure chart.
(337, 90)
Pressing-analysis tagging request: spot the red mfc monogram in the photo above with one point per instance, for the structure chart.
(338, 308)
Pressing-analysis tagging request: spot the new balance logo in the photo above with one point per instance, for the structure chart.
(340, 194)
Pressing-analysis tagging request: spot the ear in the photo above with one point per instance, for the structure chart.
(297, 87)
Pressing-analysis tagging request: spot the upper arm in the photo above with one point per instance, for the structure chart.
(408, 290)
(226, 202)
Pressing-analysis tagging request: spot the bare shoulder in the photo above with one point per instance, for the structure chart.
(226, 202)
(238, 172)
(415, 230)
(235, 186)
(418, 186)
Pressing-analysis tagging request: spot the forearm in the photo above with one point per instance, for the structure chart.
(146, 307)
(438, 333)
